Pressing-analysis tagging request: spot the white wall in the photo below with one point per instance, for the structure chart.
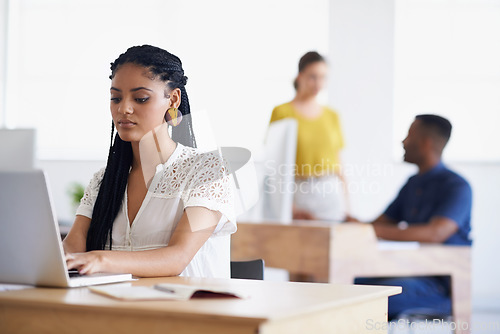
(240, 58)
(3, 41)
(361, 88)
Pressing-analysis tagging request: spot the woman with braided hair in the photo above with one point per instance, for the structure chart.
(159, 207)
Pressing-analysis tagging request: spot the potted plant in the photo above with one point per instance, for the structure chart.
(75, 191)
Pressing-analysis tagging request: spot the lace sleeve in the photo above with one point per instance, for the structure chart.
(87, 202)
(211, 186)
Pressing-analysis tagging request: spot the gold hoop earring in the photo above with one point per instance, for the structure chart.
(173, 116)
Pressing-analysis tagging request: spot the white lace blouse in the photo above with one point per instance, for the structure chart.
(188, 178)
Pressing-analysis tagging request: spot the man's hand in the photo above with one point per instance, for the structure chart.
(350, 219)
(438, 230)
(302, 214)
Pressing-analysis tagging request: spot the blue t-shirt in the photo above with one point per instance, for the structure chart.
(437, 192)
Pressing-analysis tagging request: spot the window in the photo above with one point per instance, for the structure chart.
(447, 62)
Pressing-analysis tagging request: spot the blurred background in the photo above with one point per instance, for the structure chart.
(388, 60)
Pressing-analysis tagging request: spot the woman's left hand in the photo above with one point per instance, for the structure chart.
(86, 263)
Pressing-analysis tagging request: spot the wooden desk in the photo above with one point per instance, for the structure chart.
(338, 253)
(273, 307)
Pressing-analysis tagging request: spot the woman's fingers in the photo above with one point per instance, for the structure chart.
(87, 268)
(72, 264)
(75, 261)
(85, 263)
(84, 269)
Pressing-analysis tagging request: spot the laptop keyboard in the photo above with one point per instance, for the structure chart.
(74, 273)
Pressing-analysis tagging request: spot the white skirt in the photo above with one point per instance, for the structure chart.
(322, 196)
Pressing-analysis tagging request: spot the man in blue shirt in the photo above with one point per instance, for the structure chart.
(433, 206)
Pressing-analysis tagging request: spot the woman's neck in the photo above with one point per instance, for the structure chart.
(307, 105)
(153, 149)
(304, 98)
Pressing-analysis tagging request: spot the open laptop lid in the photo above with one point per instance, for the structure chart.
(30, 247)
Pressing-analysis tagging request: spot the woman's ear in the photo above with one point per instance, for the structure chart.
(175, 98)
(297, 79)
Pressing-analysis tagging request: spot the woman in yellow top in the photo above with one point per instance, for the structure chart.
(320, 191)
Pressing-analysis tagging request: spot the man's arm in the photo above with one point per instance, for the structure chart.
(453, 208)
(438, 230)
(384, 220)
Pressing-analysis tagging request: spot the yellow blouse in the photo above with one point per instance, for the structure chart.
(319, 140)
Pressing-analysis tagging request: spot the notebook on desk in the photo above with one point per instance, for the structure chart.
(31, 250)
(166, 291)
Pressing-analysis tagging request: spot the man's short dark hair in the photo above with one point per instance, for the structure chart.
(438, 125)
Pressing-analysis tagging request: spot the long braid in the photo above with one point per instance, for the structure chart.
(168, 68)
(111, 230)
(110, 195)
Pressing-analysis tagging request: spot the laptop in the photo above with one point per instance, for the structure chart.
(31, 250)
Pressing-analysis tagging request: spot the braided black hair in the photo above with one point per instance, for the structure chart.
(168, 68)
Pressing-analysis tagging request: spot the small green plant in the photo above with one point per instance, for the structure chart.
(76, 191)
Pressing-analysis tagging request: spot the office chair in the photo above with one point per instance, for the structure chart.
(248, 269)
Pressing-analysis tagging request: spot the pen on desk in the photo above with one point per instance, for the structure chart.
(164, 289)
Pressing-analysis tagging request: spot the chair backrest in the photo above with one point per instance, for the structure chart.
(242, 169)
(248, 269)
